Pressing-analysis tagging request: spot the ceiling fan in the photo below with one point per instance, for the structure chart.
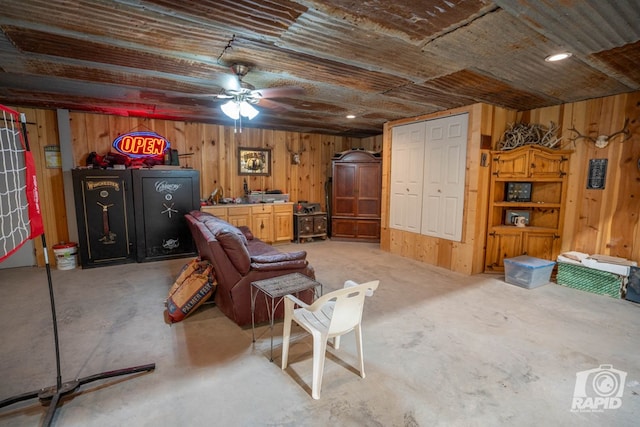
(242, 96)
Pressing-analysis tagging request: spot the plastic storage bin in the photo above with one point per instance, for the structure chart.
(527, 272)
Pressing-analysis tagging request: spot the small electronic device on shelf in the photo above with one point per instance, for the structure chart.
(518, 192)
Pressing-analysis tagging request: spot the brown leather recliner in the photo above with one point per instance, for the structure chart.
(238, 258)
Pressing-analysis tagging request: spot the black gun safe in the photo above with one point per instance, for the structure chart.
(161, 198)
(134, 214)
(104, 210)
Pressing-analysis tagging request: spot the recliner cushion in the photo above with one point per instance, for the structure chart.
(236, 249)
(217, 226)
(279, 257)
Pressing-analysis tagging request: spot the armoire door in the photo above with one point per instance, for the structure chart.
(368, 182)
(344, 189)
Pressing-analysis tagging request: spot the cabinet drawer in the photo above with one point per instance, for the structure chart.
(261, 209)
(239, 210)
(280, 208)
(219, 211)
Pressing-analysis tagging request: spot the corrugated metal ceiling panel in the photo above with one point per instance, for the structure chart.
(520, 61)
(584, 26)
(326, 38)
(414, 21)
(380, 59)
(625, 60)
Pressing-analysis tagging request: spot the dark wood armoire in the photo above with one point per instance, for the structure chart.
(355, 195)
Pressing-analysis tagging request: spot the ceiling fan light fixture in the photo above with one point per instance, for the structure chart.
(247, 110)
(234, 109)
(558, 56)
(231, 109)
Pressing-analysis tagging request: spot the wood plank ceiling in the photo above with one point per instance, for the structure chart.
(379, 60)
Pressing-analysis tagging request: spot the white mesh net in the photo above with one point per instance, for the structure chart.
(19, 211)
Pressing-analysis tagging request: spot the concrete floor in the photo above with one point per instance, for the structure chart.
(441, 349)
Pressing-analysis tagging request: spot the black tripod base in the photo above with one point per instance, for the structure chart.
(53, 394)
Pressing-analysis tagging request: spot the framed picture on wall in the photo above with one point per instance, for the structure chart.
(254, 161)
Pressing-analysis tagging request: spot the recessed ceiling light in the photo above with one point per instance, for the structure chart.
(558, 56)
(351, 116)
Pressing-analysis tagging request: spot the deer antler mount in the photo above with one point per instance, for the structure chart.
(603, 140)
(295, 155)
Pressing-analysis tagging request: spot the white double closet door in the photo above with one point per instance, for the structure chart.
(428, 163)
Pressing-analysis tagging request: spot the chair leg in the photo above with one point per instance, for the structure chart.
(358, 331)
(336, 342)
(286, 337)
(319, 350)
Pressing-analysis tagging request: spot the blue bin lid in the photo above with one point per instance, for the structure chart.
(529, 261)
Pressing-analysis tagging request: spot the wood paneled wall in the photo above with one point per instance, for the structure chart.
(596, 221)
(211, 149)
(600, 221)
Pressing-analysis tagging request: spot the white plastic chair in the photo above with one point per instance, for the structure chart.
(330, 316)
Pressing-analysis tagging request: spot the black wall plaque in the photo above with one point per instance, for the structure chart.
(597, 174)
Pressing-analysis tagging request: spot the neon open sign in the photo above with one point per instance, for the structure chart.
(141, 144)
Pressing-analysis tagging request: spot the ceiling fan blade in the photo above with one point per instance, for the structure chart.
(279, 92)
(272, 105)
(200, 95)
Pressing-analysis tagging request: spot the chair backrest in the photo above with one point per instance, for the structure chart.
(351, 283)
(348, 304)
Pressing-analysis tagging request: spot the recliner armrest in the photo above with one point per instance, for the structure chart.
(286, 256)
(282, 265)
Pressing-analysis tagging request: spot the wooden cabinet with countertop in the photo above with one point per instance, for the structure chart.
(269, 222)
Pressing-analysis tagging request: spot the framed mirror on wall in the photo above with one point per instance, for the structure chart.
(254, 161)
